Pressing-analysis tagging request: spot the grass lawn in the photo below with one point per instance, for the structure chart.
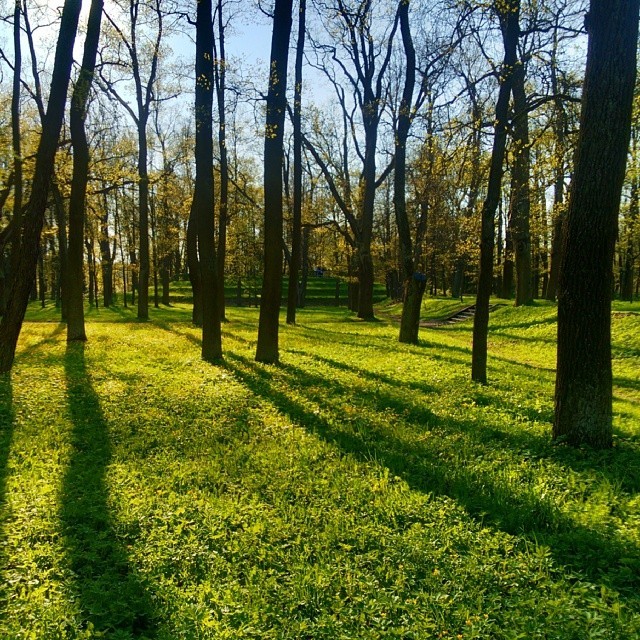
(320, 291)
(361, 489)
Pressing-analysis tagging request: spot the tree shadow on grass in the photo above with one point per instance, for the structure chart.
(590, 553)
(626, 383)
(620, 466)
(110, 595)
(7, 418)
(49, 339)
(421, 387)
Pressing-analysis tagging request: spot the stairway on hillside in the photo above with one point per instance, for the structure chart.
(460, 316)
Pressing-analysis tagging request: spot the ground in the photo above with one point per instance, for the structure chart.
(360, 489)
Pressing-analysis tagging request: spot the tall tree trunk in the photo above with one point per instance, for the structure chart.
(63, 247)
(106, 261)
(154, 248)
(521, 191)
(302, 292)
(204, 197)
(21, 285)
(508, 12)
(583, 398)
(165, 274)
(365, 260)
(42, 281)
(559, 126)
(626, 285)
(413, 283)
(220, 74)
(143, 221)
(118, 230)
(16, 143)
(474, 187)
(508, 266)
(267, 348)
(296, 240)
(74, 277)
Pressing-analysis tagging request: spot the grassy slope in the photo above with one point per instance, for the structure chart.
(318, 289)
(362, 489)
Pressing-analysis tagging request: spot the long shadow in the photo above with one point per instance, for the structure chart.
(422, 387)
(526, 325)
(620, 466)
(626, 383)
(592, 553)
(110, 594)
(49, 339)
(7, 419)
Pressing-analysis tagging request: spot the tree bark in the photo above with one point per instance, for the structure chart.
(583, 397)
(21, 285)
(508, 13)
(74, 278)
(143, 221)
(16, 142)
(267, 348)
(204, 197)
(296, 233)
(559, 126)
(220, 71)
(521, 191)
(413, 283)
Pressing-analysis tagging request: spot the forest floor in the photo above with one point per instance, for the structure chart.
(360, 489)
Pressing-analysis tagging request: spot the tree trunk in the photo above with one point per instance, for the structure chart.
(296, 240)
(521, 192)
(220, 70)
(42, 282)
(143, 222)
(267, 348)
(63, 248)
(204, 197)
(164, 278)
(626, 284)
(16, 144)
(559, 126)
(583, 398)
(508, 13)
(413, 283)
(302, 292)
(77, 202)
(193, 263)
(21, 285)
(154, 248)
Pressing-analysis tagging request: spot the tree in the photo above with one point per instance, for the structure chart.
(508, 13)
(414, 283)
(364, 51)
(77, 203)
(520, 188)
(203, 197)
(296, 233)
(144, 94)
(267, 348)
(22, 280)
(220, 78)
(583, 397)
(15, 138)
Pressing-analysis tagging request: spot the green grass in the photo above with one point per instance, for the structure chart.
(361, 489)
